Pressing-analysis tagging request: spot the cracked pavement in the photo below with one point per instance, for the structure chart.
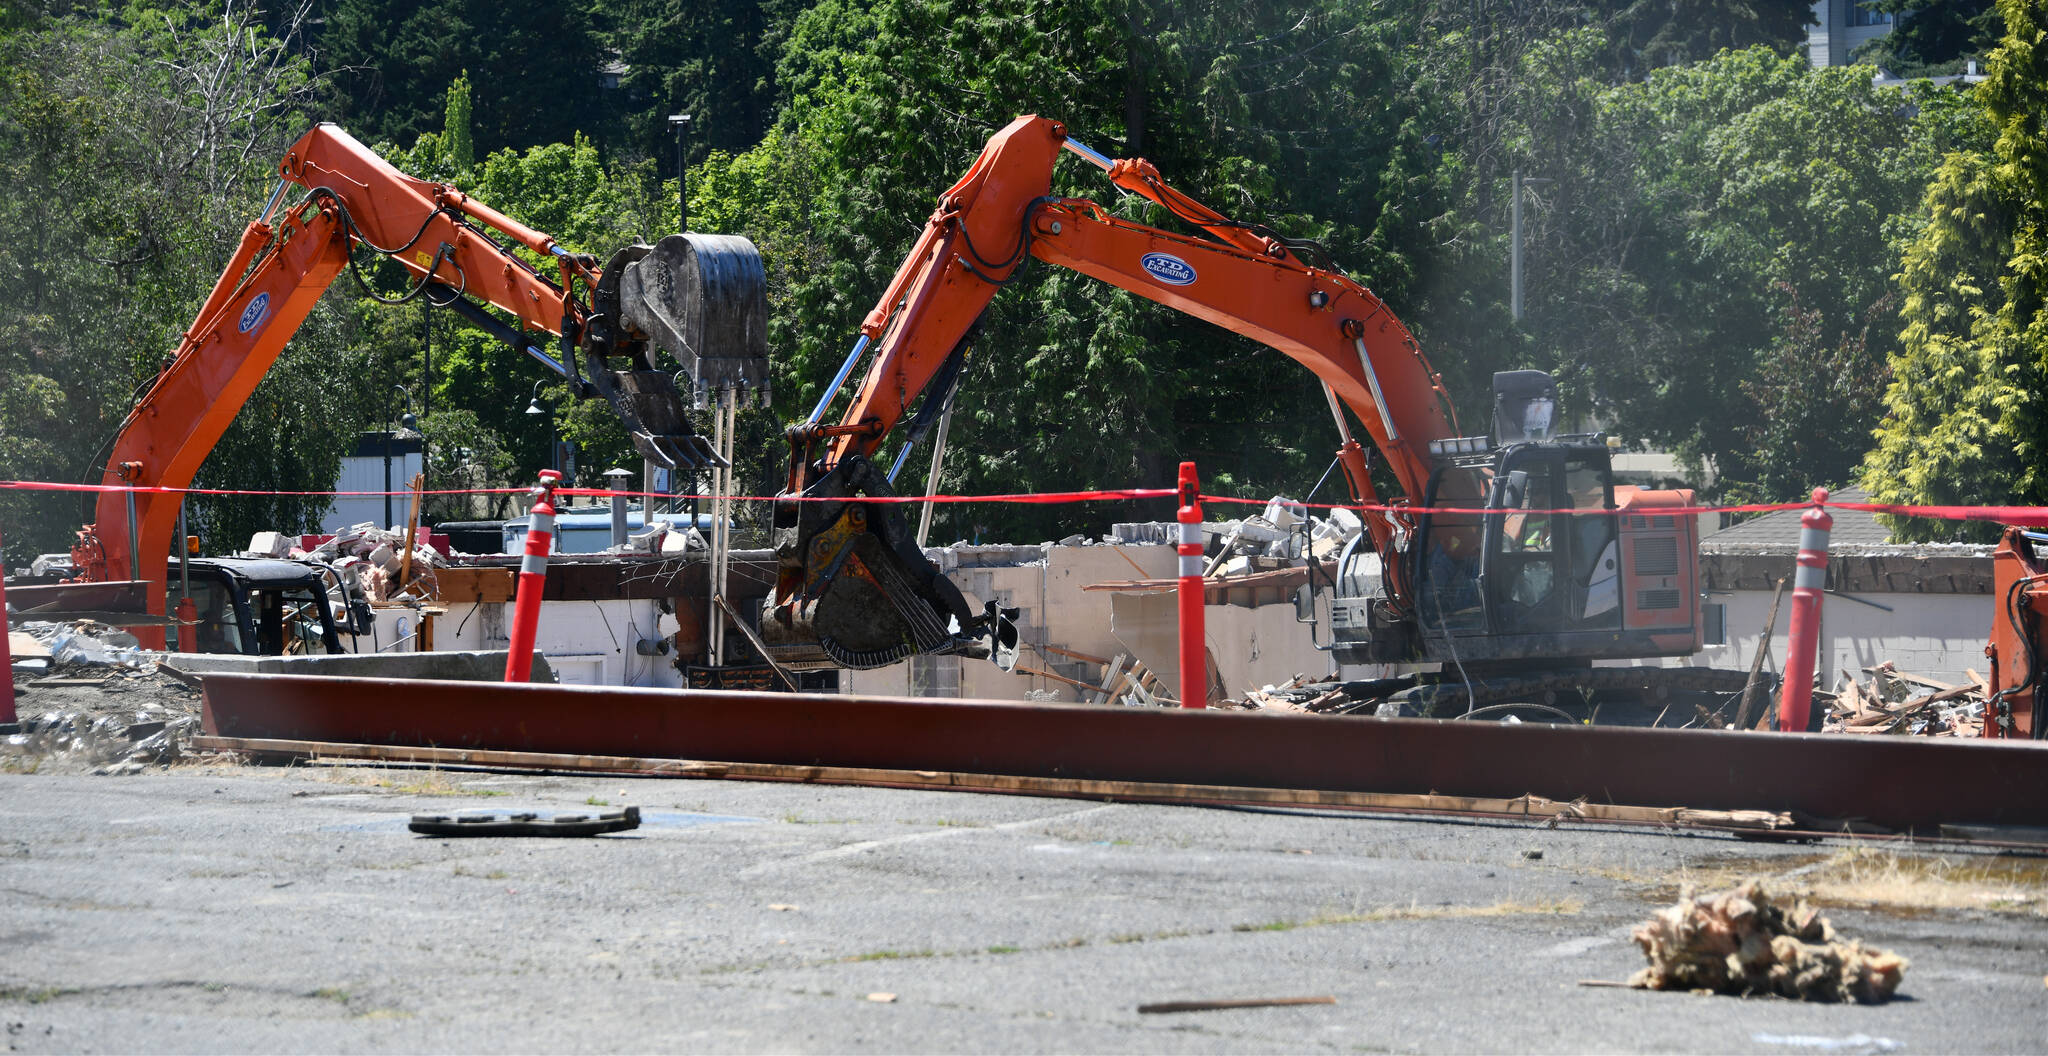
(241, 909)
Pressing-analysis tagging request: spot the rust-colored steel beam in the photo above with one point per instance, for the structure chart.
(1896, 782)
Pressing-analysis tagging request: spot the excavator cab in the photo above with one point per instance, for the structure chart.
(1524, 576)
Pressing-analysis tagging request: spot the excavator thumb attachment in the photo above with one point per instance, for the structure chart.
(854, 591)
(703, 299)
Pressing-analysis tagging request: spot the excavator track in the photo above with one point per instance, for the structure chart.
(1449, 697)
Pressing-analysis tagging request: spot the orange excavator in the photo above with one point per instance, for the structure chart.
(702, 298)
(1524, 591)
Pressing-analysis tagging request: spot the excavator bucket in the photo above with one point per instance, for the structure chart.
(854, 591)
(704, 300)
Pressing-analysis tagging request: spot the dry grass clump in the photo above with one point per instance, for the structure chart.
(1740, 942)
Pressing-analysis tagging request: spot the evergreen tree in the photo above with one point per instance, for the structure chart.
(711, 59)
(1967, 422)
(458, 142)
(536, 67)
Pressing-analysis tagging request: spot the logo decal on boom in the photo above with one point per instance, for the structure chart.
(256, 312)
(1168, 269)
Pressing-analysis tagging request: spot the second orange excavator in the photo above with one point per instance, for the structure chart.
(1518, 590)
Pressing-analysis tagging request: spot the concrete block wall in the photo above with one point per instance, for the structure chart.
(587, 642)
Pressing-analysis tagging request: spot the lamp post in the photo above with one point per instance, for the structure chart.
(681, 123)
(1515, 245)
(533, 407)
(406, 422)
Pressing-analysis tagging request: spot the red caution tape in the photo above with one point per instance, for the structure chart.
(2023, 516)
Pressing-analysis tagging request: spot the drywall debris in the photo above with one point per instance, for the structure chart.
(269, 544)
(1741, 942)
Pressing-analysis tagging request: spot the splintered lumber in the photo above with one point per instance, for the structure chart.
(1920, 681)
(1055, 676)
(1741, 942)
(412, 523)
(1099, 661)
(1106, 692)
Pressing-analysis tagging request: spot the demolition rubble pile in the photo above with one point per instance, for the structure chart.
(1891, 701)
(1741, 942)
(1237, 547)
(90, 699)
(1251, 551)
(1297, 694)
(368, 559)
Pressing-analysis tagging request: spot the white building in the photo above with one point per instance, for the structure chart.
(1843, 26)
(380, 462)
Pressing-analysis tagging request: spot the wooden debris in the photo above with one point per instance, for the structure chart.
(1245, 1002)
(1112, 676)
(1753, 692)
(190, 680)
(1025, 669)
(1896, 702)
(1739, 942)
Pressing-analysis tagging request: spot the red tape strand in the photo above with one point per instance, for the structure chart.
(2022, 516)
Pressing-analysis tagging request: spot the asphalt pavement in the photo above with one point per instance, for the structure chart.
(239, 909)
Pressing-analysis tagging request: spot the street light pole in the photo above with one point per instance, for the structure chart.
(533, 407)
(681, 123)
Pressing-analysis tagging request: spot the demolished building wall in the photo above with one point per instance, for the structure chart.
(1059, 616)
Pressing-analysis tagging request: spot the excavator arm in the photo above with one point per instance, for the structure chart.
(833, 584)
(700, 297)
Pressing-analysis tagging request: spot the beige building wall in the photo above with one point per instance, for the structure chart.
(1937, 636)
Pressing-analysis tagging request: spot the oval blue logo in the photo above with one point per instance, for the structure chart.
(1168, 268)
(254, 314)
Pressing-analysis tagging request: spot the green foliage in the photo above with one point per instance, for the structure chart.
(535, 64)
(466, 455)
(1071, 383)
(1930, 38)
(1719, 242)
(1709, 268)
(1966, 424)
(474, 379)
(458, 142)
(1656, 33)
